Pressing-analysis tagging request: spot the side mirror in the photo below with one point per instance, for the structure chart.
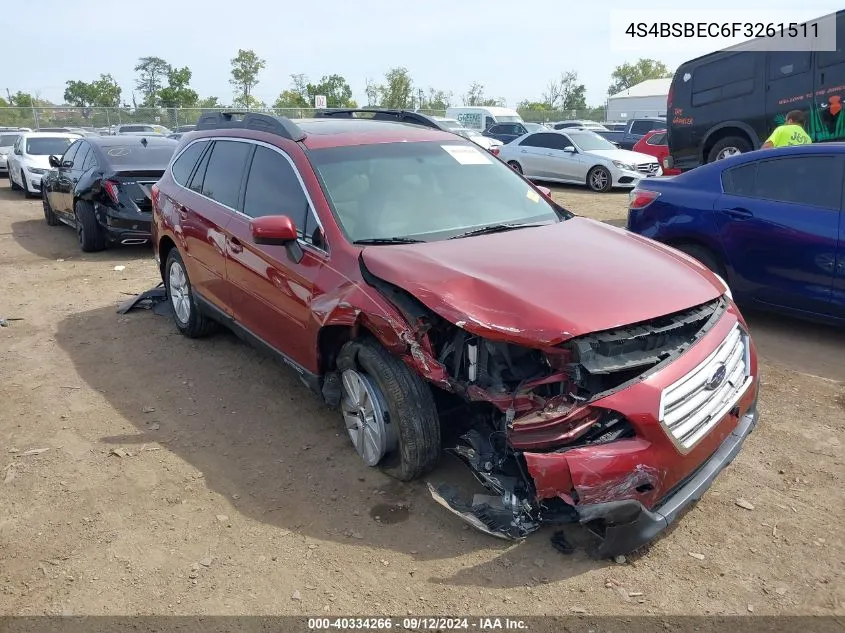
(67, 164)
(54, 160)
(569, 149)
(277, 230)
(545, 191)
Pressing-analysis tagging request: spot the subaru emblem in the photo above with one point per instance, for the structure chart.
(715, 381)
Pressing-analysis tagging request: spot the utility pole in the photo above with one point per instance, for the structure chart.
(420, 91)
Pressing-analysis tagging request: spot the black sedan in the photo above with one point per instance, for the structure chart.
(101, 187)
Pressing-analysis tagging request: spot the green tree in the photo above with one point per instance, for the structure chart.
(178, 92)
(336, 89)
(475, 97)
(565, 93)
(628, 75)
(209, 102)
(23, 100)
(245, 69)
(152, 71)
(106, 92)
(437, 100)
(397, 90)
(373, 92)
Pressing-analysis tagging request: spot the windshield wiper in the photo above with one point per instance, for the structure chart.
(492, 228)
(389, 240)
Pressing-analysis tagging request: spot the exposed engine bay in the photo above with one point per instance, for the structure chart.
(522, 403)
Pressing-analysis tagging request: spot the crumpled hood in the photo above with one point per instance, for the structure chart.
(544, 285)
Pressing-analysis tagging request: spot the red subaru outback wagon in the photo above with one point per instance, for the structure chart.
(420, 285)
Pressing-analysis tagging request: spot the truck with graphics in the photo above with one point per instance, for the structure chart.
(481, 117)
(729, 102)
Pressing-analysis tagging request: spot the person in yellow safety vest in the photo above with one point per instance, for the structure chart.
(790, 133)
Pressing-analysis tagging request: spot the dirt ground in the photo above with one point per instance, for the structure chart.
(235, 492)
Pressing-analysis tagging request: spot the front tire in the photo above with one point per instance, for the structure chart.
(410, 447)
(189, 319)
(49, 214)
(88, 231)
(26, 192)
(599, 179)
(12, 184)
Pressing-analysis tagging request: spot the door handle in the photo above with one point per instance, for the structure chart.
(739, 213)
(821, 79)
(235, 245)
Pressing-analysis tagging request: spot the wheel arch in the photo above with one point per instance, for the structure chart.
(165, 245)
(724, 130)
(713, 248)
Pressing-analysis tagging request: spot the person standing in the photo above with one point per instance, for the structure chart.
(790, 133)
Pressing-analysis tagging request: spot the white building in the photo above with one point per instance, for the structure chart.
(646, 99)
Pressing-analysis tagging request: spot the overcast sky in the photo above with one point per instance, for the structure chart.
(446, 45)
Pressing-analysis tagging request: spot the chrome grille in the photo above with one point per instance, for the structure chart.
(693, 405)
(647, 168)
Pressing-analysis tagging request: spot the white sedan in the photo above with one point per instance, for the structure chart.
(578, 157)
(30, 158)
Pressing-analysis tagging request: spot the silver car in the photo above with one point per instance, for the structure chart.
(7, 141)
(578, 157)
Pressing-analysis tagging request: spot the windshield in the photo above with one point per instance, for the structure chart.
(535, 127)
(48, 145)
(588, 141)
(137, 128)
(425, 191)
(7, 140)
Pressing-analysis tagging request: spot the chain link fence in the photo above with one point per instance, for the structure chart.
(106, 119)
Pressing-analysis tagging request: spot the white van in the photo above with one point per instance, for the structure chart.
(481, 117)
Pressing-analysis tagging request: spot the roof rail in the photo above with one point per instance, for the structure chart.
(384, 114)
(233, 119)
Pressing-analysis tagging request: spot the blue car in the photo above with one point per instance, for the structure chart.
(770, 222)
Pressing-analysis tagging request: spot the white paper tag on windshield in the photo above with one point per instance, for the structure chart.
(467, 155)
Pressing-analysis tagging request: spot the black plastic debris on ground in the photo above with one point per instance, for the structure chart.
(560, 543)
(154, 299)
(7, 321)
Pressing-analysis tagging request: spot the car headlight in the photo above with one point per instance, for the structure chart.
(35, 170)
(624, 166)
(725, 286)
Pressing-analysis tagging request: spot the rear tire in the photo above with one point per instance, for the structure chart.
(728, 146)
(706, 257)
(515, 166)
(88, 231)
(49, 214)
(189, 319)
(409, 405)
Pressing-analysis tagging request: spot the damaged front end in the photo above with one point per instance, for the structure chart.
(536, 421)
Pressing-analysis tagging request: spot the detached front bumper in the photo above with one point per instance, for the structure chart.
(629, 525)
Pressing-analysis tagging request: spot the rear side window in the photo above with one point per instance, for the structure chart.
(90, 161)
(272, 188)
(183, 166)
(224, 172)
(546, 140)
(739, 181)
(657, 139)
(806, 180)
(726, 78)
(641, 127)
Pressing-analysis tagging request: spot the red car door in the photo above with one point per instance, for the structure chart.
(206, 212)
(271, 291)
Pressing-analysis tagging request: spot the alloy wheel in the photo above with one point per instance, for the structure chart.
(180, 294)
(364, 415)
